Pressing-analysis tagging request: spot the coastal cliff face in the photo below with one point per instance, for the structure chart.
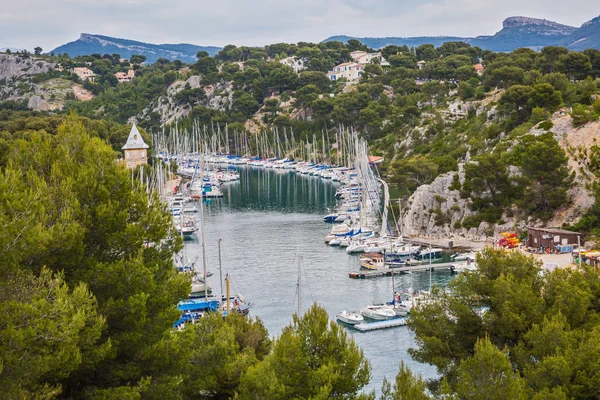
(436, 210)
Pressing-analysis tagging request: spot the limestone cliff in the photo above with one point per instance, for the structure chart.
(17, 84)
(436, 209)
(169, 109)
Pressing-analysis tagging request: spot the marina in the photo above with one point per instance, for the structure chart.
(270, 212)
(267, 218)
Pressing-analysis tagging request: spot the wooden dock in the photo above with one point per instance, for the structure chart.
(401, 270)
(371, 326)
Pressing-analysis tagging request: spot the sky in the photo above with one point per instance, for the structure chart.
(51, 23)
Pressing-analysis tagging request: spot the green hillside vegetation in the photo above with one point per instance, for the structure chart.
(401, 109)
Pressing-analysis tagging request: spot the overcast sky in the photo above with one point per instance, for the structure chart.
(50, 23)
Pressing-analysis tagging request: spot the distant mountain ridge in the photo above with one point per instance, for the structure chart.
(516, 32)
(90, 44)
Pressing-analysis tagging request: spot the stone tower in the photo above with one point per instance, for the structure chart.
(135, 149)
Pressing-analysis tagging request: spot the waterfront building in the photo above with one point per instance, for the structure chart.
(551, 238)
(135, 149)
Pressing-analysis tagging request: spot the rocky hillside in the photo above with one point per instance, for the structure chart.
(97, 44)
(28, 80)
(15, 66)
(438, 209)
(170, 107)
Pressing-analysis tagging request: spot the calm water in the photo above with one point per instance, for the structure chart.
(269, 218)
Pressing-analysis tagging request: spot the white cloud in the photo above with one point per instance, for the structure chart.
(51, 23)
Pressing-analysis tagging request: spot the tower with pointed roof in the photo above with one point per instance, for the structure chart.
(136, 150)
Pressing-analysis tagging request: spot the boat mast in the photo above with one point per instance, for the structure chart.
(202, 229)
(299, 286)
(430, 269)
(227, 294)
(220, 269)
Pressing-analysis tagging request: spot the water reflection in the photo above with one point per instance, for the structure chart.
(268, 218)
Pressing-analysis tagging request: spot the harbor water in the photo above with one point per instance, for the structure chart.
(265, 221)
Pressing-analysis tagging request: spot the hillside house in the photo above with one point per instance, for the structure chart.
(362, 57)
(135, 149)
(350, 70)
(125, 77)
(421, 64)
(297, 64)
(84, 73)
(479, 68)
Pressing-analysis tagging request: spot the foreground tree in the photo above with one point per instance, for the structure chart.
(546, 326)
(46, 332)
(313, 358)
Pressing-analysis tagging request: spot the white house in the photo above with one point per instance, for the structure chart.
(350, 70)
(362, 57)
(84, 73)
(135, 149)
(294, 62)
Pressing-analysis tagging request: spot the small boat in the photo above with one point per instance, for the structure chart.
(187, 228)
(335, 241)
(355, 246)
(379, 312)
(429, 253)
(463, 257)
(350, 318)
(330, 218)
(371, 261)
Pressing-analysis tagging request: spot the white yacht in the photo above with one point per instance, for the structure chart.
(379, 312)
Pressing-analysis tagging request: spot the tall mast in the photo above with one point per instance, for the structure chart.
(220, 269)
(299, 286)
(202, 229)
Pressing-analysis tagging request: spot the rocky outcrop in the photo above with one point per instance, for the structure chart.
(513, 22)
(217, 96)
(15, 66)
(436, 210)
(17, 84)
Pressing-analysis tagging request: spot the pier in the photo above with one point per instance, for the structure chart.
(405, 269)
(371, 326)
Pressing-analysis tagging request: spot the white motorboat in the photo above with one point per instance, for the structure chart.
(463, 256)
(350, 318)
(379, 312)
(186, 227)
(335, 241)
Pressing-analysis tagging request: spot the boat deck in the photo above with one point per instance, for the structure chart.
(386, 271)
(371, 326)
